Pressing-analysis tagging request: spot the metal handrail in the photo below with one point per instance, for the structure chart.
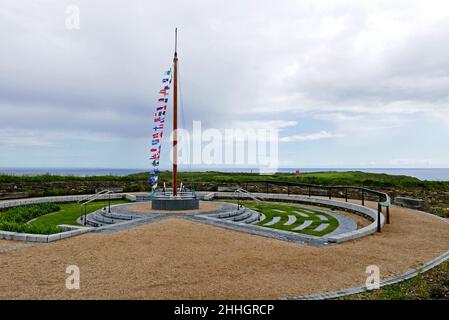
(252, 196)
(185, 194)
(384, 198)
(94, 195)
(91, 199)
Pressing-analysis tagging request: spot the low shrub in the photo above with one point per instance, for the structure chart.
(15, 219)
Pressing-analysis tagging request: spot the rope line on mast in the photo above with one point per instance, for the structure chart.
(181, 102)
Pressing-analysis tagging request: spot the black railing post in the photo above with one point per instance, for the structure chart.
(109, 198)
(388, 214)
(363, 197)
(379, 211)
(238, 200)
(346, 194)
(329, 193)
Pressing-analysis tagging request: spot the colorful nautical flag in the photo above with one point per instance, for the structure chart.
(159, 120)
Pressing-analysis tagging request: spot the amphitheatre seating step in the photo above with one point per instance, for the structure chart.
(100, 218)
(242, 216)
(252, 217)
(93, 223)
(278, 210)
(302, 226)
(291, 220)
(116, 216)
(229, 214)
(274, 221)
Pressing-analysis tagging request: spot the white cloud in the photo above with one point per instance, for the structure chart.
(311, 137)
(263, 124)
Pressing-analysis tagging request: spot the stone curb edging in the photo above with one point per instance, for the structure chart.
(43, 238)
(396, 279)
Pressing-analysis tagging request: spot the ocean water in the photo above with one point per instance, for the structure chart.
(432, 174)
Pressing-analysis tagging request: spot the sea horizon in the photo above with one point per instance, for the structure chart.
(430, 174)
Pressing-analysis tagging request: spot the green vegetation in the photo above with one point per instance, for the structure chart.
(353, 178)
(433, 284)
(45, 218)
(269, 210)
(69, 213)
(15, 219)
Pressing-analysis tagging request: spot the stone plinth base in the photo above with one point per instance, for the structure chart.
(175, 204)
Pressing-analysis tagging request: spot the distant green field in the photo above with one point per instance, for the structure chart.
(355, 178)
(69, 213)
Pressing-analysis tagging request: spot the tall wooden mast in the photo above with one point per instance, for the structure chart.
(175, 116)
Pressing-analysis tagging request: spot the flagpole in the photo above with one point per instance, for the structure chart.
(175, 116)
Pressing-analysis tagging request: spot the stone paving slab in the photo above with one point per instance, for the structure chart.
(302, 214)
(291, 220)
(304, 225)
(321, 227)
(274, 221)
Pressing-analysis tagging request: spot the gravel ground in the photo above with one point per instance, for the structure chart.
(180, 259)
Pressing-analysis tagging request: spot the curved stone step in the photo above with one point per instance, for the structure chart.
(102, 219)
(230, 214)
(253, 218)
(116, 216)
(92, 222)
(242, 216)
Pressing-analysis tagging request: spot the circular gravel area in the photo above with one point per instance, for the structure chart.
(181, 259)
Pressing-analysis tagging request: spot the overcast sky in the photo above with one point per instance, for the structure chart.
(347, 83)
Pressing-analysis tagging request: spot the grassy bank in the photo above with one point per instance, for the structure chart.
(45, 218)
(15, 219)
(69, 213)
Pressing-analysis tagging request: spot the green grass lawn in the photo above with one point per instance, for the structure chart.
(69, 213)
(268, 209)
